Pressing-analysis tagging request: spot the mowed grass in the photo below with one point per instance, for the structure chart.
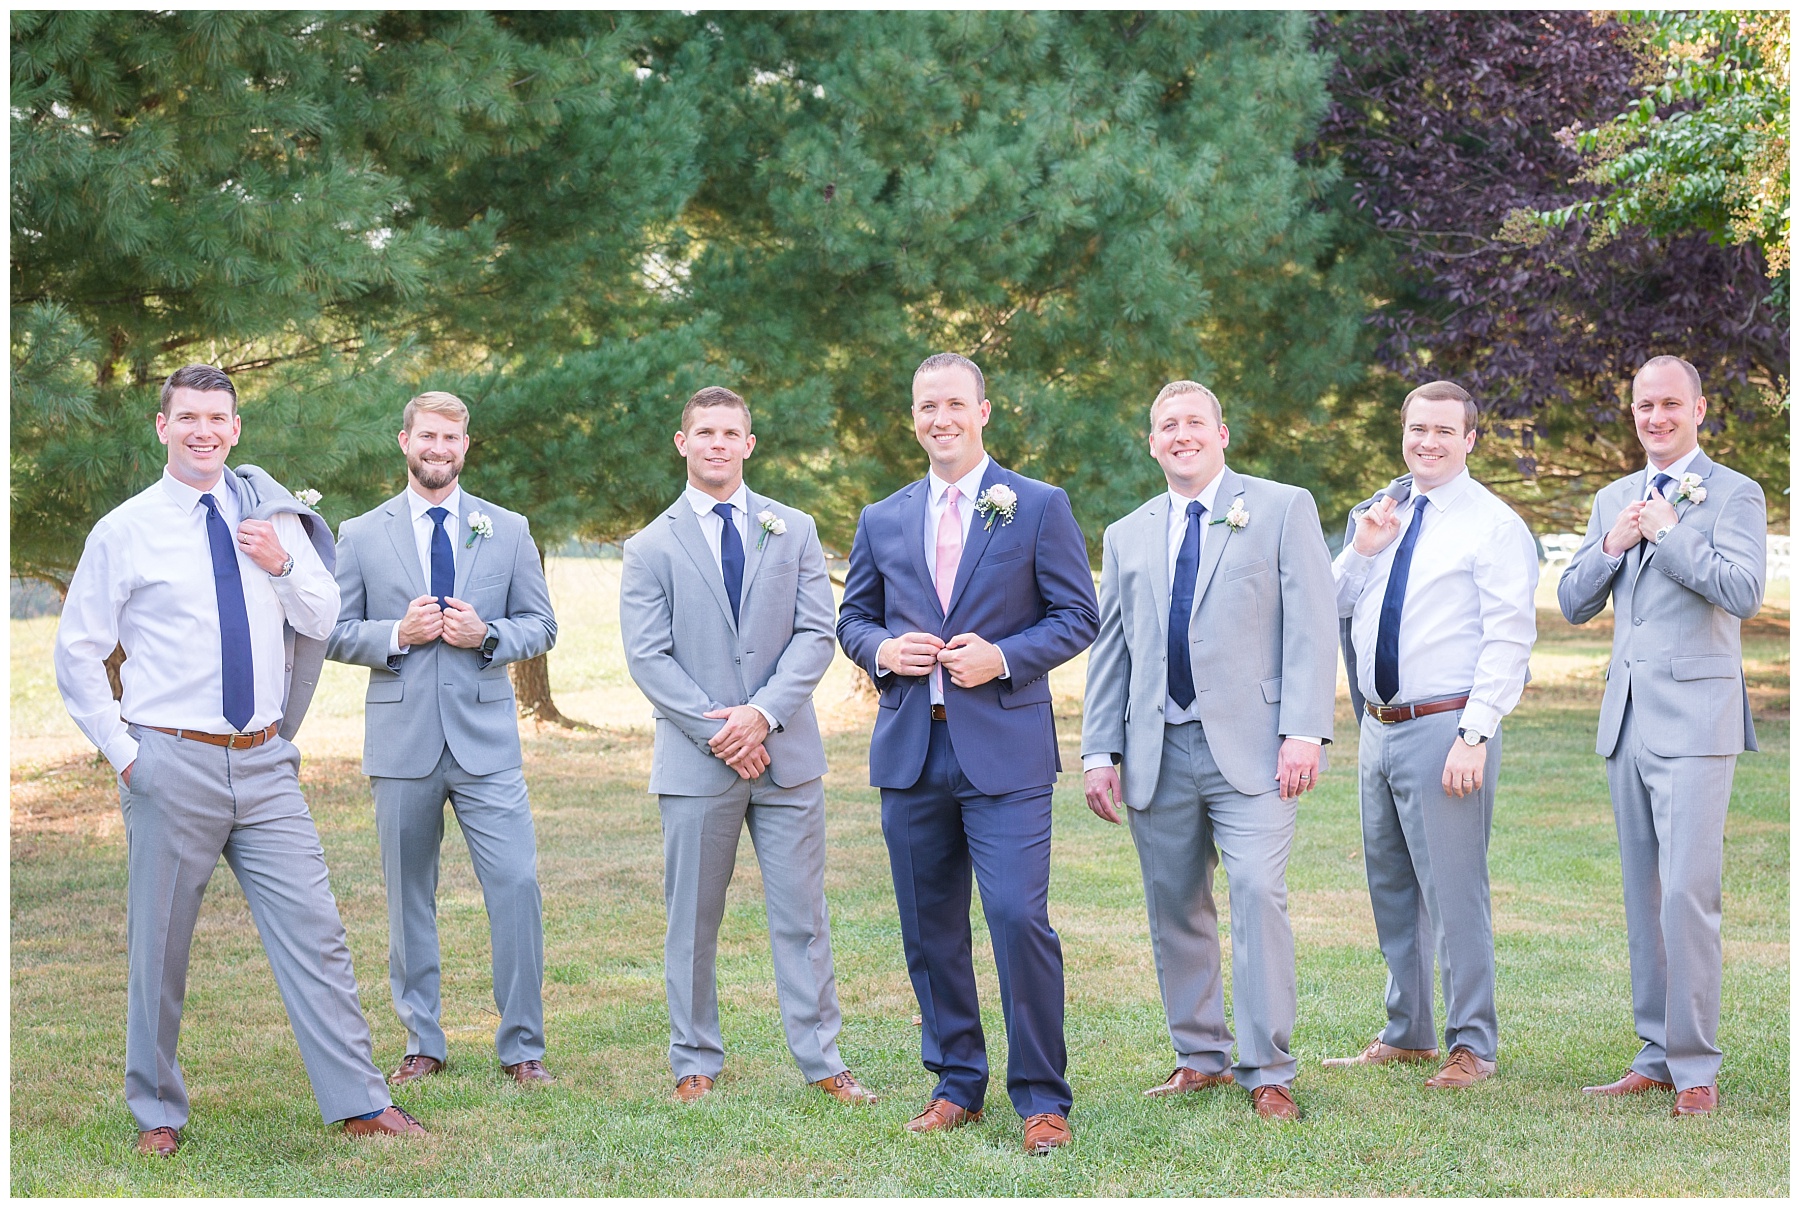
(609, 1127)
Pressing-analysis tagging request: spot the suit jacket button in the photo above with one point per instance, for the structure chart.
(1637, 620)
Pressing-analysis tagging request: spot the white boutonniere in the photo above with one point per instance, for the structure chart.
(998, 500)
(309, 497)
(771, 523)
(1689, 488)
(1236, 517)
(480, 525)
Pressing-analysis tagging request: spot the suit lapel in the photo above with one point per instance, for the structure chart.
(458, 528)
(1643, 550)
(756, 545)
(1701, 465)
(406, 549)
(914, 508)
(981, 532)
(1155, 541)
(687, 532)
(1213, 547)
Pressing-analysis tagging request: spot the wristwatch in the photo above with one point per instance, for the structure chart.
(490, 643)
(287, 568)
(1471, 738)
(1656, 538)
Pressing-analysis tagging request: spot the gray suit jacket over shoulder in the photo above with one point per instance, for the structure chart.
(437, 694)
(1678, 611)
(1262, 637)
(689, 657)
(264, 498)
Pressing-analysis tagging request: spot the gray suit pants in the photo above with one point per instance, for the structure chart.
(700, 842)
(1426, 857)
(189, 803)
(495, 816)
(1195, 817)
(1671, 819)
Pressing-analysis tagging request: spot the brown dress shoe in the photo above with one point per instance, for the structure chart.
(1184, 1080)
(158, 1142)
(941, 1114)
(1463, 1068)
(530, 1073)
(1633, 1083)
(692, 1088)
(1380, 1052)
(413, 1067)
(1046, 1131)
(1696, 1101)
(1274, 1102)
(844, 1087)
(394, 1122)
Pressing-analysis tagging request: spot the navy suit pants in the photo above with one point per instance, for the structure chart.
(938, 832)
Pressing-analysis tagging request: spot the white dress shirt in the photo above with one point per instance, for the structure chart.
(1174, 714)
(712, 526)
(1675, 470)
(422, 524)
(1469, 619)
(145, 582)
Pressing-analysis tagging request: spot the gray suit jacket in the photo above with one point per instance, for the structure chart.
(689, 658)
(1261, 638)
(264, 497)
(437, 694)
(1677, 611)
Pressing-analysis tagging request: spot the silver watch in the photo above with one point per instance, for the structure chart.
(1656, 538)
(1470, 738)
(287, 568)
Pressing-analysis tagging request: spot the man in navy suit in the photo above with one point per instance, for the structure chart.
(964, 590)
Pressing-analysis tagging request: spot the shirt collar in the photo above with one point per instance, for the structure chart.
(420, 505)
(1674, 469)
(969, 485)
(1446, 494)
(1207, 495)
(187, 498)
(703, 504)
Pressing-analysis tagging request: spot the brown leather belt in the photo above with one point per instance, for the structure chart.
(237, 742)
(1387, 715)
(937, 713)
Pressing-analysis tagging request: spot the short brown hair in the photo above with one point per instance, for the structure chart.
(437, 402)
(1184, 386)
(207, 379)
(714, 396)
(1659, 362)
(1445, 392)
(954, 360)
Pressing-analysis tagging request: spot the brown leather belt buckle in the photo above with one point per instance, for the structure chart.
(1387, 715)
(937, 713)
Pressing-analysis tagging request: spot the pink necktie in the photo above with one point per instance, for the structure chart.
(949, 555)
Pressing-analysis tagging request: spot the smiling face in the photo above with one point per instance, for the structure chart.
(715, 443)
(434, 451)
(1188, 440)
(1434, 441)
(1667, 411)
(948, 416)
(199, 427)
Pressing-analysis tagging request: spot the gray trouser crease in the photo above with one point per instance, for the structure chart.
(1425, 853)
(1670, 813)
(494, 814)
(1194, 818)
(188, 804)
(700, 842)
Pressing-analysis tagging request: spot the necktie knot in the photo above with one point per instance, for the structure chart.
(1195, 509)
(723, 511)
(212, 505)
(1662, 484)
(438, 515)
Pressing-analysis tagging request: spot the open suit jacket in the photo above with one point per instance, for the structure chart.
(1023, 584)
(1677, 611)
(437, 694)
(689, 657)
(1261, 637)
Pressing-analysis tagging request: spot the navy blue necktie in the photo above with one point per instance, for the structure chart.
(237, 673)
(731, 557)
(443, 558)
(1181, 606)
(1662, 484)
(1387, 637)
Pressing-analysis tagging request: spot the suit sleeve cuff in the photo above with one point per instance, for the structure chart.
(395, 649)
(1101, 759)
(774, 726)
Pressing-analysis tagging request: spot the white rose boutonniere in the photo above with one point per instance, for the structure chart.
(1689, 488)
(771, 523)
(309, 497)
(1236, 517)
(480, 525)
(998, 500)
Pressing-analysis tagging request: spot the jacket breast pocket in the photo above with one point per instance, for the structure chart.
(1258, 567)
(488, 690)
(385, 692)
(1711, 666)
(1011, 553)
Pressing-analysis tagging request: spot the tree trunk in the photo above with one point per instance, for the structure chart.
(112, 664)
(531, 685)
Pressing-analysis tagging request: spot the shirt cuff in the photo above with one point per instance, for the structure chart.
(1480, 717)
(1317, 742)
(121, 752)
(767, 716)
(1005, 671)
(879, 669)
(1100, 760)
(394, 646)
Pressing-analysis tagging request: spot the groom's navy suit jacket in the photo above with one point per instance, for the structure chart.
(1023, 584)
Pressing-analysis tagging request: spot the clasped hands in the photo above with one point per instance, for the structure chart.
(739, 741)
(1638, 522)
(457, 624)
(968, 659)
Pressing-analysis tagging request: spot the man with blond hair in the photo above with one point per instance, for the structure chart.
(441, 591)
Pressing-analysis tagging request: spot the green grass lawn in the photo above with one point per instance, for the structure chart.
(609, 1126)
